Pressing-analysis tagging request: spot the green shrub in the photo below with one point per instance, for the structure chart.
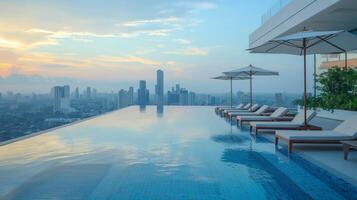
(337, 90)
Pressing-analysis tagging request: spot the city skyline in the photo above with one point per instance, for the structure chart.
(36, 55)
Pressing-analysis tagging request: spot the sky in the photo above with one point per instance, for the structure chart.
(113, 44)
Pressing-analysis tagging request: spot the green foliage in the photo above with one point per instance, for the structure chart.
(338, 90)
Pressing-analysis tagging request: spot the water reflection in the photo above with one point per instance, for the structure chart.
(160, 111)
(265, 174)
(142, 108)
(231, 138)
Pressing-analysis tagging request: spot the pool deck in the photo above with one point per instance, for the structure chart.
(326, 156)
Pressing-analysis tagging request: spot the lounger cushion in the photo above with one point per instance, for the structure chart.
(348, 127)
(299, 118)
(275, 124)
(279, 112)
(254, 118)
(313, 135)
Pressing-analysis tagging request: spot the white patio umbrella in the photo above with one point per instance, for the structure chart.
(250, 71)
(310, 42)
(231, 78)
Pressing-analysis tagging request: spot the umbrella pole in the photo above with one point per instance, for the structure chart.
(305, 91)
(231, 94)
(251, 96)
(346, 59)
(315, 75)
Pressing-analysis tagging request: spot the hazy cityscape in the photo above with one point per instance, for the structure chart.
(23, 114)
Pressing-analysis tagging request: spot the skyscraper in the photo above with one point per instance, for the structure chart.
(123, 99)
(278, 99)
(191, 98)
(76, 93)
(88, 93)
(61, 101)
(143, 93)
(183, 96)
(177, 88)
(67, 91)
(131, 95)
(159, 88)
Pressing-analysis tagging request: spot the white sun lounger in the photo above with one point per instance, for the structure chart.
(222, 110)
(277, 115)
(255, 107)
(347, 130)
(296, 123)
(217, 109)
(258, 112)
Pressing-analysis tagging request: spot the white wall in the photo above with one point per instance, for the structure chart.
(288, 20)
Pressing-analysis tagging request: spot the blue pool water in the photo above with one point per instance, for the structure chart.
(180, 153)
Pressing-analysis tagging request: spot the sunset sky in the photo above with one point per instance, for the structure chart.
(112, 44)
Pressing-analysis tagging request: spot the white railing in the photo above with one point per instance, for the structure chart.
(280, 4)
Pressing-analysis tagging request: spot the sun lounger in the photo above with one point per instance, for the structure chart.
(258, 112)
(240, 106)
(255, 107)
(296, 124)
(221, 110)
(347, 130)
(277, 115)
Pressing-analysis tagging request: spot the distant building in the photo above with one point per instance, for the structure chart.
(123, 98)
(94, 93)
(131, 95)
(183, 97)
(76, 93)
(191, 98)
(178, 88)
(88, 93)
(159, 88)
(67, 91)
(143, 94)
(61, 101)
(173, 97)
(278, 99)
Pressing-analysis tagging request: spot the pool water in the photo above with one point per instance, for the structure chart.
(170, 153)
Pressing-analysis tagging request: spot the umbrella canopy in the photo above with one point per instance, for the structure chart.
(231, 78)
(317, 42)
(310, 42)
(251, 71)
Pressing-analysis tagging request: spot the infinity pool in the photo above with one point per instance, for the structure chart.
(174, 153)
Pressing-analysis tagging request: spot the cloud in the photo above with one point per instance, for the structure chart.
(151, 21)
(130, 59)
(190, 51)
(183, 41)
(198, 5)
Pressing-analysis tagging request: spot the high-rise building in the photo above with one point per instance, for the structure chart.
(67, 91)
(159, 88)
(94, 92)
(131, 95)
(173, 97)
(88, 93)
(123, 99)
(191, 98)
(178, 88)
(61, 101)
(143, 93)
(278, 99)
(183, 96)
(76, 93)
